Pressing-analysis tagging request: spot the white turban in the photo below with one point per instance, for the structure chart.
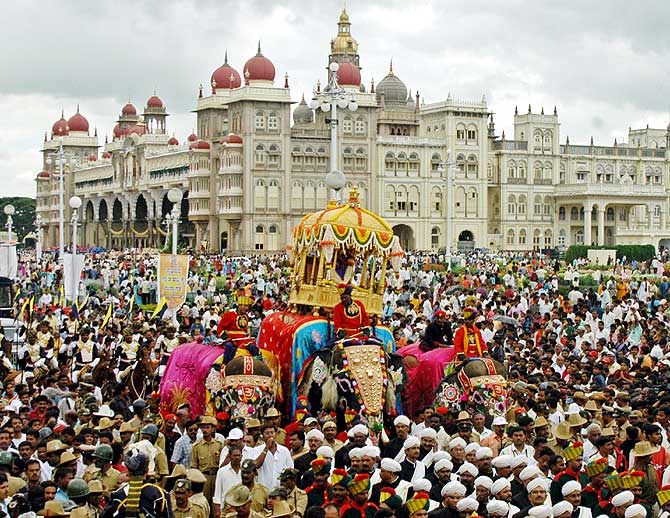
(390, 465)
(468, 467)
(410, 442)
(423, 484)
(457, 441)
(483, 453)
(469, 505)
(536, 483)
(636, 511)
(355, 453)
(497, 507)
(562, 507)
(401, 419)
(484, 481)
(453, 489)
(540, 511)
(529, 472)
(439, 455)
(518, 461)
(314, 434)
(623, 498)
(443, 463)
(359, 428)
(370, 451)
(325, 451)
(473, 446)
(502, 461)
(428, 432)
(571, 487)
(499, 485)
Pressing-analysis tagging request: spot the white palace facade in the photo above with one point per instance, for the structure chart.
(258, 163)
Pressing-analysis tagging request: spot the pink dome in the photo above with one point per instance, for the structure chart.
(60, 127)
(106, 154)
(348, 74)
(92, 158)
(44, 175)
(192, 137)
(259, 68)
(117, 131)
(140, 129)
(173, 142)
(221, 77)
(77, 122)
(200, 144)
(231, 138)
(154, 102)
(128, 109)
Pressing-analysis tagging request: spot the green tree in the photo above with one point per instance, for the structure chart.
(23, 218)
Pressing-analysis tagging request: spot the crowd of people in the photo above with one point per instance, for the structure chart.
(584, 433)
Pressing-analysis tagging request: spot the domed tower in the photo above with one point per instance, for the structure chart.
(259, 69)
(303, 114)
(155, 115)
(344, 46)
(391, 90)
(397, 114)
(128, 118)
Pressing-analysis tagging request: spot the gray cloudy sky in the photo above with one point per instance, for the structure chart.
(603, 64)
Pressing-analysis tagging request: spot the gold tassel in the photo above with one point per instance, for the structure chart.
(329, 394)
(134, 492)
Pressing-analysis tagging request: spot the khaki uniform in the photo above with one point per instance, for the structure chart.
(474, 437)
(280, 436)
(109, 479)
(90, 511)
(335, 445)
(259, 497)
(298, 500)
(205, 457)
(199, 506)
(136, 423)
(161, 468)
(15, 483)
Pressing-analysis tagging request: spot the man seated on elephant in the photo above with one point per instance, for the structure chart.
(349, 316)
(468, 340)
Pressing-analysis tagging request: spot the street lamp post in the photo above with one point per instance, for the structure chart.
(38, 246)
(332, 98)
(75, 204)
(449, 179)
(9, 211)
(60, 160)
(175, 196)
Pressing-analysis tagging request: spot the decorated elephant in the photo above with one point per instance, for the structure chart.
(476, 385)
(353, 374)
(302, 351)
(197, 374)
(244, 387)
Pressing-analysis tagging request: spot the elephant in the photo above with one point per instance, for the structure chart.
(476, 385)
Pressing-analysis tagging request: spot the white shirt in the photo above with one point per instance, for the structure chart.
(226, 478)
(527, 451)
(273, 465)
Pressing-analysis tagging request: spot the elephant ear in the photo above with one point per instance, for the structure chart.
(390, 399)
(329, 394)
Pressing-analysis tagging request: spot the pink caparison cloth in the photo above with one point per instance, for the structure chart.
(185, 375)
(426, 376)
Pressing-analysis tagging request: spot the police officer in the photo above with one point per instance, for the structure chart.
(102, 469)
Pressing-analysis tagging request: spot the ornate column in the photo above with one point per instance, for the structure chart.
(587, 223)
(601, 223)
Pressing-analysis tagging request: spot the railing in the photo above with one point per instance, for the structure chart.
(517, 181)
(542, 181)
(171, 172)
(612, 151)
(510, 145)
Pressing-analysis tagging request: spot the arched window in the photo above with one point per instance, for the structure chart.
(537, 139)
(273, 121)
(435, 161)
(511, 169)
(260, 155)
(435, 237)
(548, 238)
(460, 163)
(360, 126)
(260, 195)
(610, 214)
(574, 214)
(347, 126)
(537, 205)
(260, 229)
(510, 237)
(522, 169)
(537, 237)
(522, 236)
(561, 238)
(511, 204)
(260, 120)
(272, 229)
(437, 200)
(296, 196)
(273, 195)
(521, 206)
(460, 132)
(472, 134)
(561, 213)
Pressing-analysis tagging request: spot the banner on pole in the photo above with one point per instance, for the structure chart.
(8, 261)
(72, 273)
(172, 277)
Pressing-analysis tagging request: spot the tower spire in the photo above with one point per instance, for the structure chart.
(391, 67)
(259, 46)
(225, 58)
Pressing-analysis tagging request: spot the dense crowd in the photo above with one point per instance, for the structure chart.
(585, 432)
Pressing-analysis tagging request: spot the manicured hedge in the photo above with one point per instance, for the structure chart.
(631, 252)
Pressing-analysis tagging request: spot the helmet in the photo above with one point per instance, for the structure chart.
(77, 488)
(139, 404)
(105, 452)
(6, 458)
(150, 429)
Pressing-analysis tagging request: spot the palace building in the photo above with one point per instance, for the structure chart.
(436, 171)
